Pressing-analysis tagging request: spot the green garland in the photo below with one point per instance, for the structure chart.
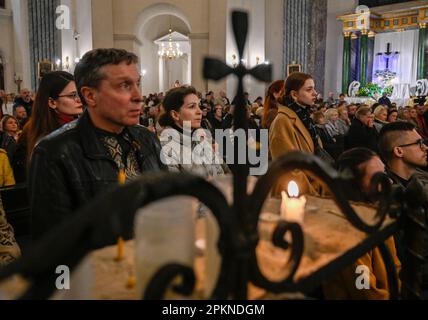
(372, 89)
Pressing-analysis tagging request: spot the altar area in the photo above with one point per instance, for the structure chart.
(385, 46)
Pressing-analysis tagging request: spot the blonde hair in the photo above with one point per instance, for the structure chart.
(379, 110)
(330, 112)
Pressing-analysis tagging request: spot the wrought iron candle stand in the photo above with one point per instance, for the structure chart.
(109, 216)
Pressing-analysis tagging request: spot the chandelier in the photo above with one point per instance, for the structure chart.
(171, 50)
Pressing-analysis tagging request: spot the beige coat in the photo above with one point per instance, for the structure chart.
(288, 133)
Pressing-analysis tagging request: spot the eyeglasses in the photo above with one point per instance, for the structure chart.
(74, 95)
(420, 142)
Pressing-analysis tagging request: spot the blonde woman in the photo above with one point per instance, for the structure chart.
(332, 117)
(380, 117)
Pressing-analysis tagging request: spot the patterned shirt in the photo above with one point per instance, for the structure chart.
(121, 149)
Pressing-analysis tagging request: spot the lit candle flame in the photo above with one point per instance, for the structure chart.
(293, 190)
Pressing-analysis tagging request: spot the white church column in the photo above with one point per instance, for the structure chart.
(102, 23)
(21, 44)
(255, 47)
(274, 34)
(83, 27)
(199, 45)
(217, 40)
(161, 75)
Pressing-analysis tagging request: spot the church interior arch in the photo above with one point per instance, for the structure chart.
(153, 28)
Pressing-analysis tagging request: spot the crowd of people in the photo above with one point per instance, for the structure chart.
(79, 132)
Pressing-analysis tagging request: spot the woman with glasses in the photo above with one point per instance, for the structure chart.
(57, 103)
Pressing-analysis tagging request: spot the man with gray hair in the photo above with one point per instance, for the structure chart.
(85, 158)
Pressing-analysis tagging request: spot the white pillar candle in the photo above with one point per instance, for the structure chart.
(293, 206)
(164, 233)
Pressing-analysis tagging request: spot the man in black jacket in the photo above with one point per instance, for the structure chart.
(84, 158)
(404, 152)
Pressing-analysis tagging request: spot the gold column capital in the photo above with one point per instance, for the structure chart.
(364, 32)
(422, 25)
(372, 34)
(347, 34)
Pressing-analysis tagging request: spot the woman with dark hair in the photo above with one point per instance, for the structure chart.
(363, 164)
(293, 129)
(392, 115)
(57, 103)
(270, 108)
(182, 118)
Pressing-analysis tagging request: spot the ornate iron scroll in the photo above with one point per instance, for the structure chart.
(100, 223)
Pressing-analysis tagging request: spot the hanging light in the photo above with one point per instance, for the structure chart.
(170, 50)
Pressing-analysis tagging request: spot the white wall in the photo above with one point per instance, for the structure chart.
(84, 26)
(7, 46)
(334, 51)
(255, 43)
(102, 23)
(21, 41)
(275, 37)
(218, 16)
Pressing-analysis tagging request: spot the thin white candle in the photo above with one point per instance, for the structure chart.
(293, 206)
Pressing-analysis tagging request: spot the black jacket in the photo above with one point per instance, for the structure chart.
(71, 166)
(359, 135)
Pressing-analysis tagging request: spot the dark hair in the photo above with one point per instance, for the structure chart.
(294, 82)
(391, 134)
(348, 163)
(88, 70)
(270, 101)
(391, 111)
(174, 100)
(44, 119)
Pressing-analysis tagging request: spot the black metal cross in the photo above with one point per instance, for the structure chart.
(216, 70)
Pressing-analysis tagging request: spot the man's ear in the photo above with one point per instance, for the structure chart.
(90, 95)
(398, 152)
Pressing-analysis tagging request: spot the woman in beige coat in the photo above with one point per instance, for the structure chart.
(294, 130)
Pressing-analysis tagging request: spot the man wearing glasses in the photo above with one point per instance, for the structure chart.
(405, 154)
